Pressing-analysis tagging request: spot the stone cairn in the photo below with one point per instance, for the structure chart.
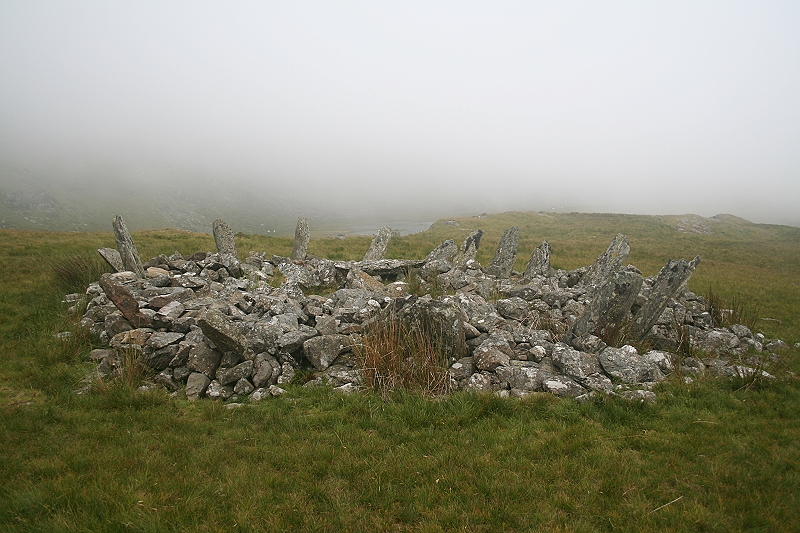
(214, 326)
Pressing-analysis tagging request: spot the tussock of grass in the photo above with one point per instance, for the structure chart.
(394, 356)
(736, 309)
(74, 273)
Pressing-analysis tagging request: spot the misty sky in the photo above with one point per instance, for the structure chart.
(445, 106)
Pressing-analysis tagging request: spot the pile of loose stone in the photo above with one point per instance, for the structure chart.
(217, 327)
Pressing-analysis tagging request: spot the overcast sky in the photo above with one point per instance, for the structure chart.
(626, 106)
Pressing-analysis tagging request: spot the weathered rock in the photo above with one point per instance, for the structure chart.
(642, 396)
(610, 262)
(503, 261)
(520, 378)
(462, 369)
(243, 387)
(378, 246)
(112, 257)
(672, 279)
(610, 307)
(127, 249)
(227, 376)
(224, 238)
(267, 370)
(469, 250)
(562, 386)
(479, 383)
(124, 301)
(160, 339)
(218, 391)
(626, 365)
(323, 350)
(196, 385)
(302, 236)
(444, 252)
(573, 363)
(223, 333)
(539, 263)
(491, 354)
(203, 359)
(515, 308)
(441, 321)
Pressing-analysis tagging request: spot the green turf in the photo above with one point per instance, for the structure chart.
(118, 460)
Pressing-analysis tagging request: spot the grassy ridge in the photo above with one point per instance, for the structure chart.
(118, 460)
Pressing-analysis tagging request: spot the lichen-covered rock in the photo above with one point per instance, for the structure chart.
(323, 350)
(626, 365)
(226, 376)
(127, 249)
(224, 238)
(506, 254)
(223, 333)
(203, 359)
(113, 258)
(610, 262)
(539, 263)
(378, 246)
(302, 236)
(573, 363)
(196, 385)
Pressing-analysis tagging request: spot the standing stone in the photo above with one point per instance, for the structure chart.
(539, 264)
(469, 250)
(610, 306)
(444, 252)
(127, 249)
(302, 235)
(112, 257)
(377, 249)
(503, 261)
(670, 281)
(223, 236)
(608, 263)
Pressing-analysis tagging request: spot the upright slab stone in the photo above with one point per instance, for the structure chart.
(611, 305)
(445, 251)
(611, 261)
(112, 257)
(302, 236)
(377, 249)
(469, 250)
(670, 281)
(127, 249)
(539, 264)
(223, 236)
(503, 261)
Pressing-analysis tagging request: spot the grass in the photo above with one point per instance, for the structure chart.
(725, 453)
(395, 355)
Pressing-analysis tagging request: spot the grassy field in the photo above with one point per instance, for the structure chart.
(710, 456)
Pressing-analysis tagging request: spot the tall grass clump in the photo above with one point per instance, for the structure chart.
(75, 272)
(395, 356)
(733, 310)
